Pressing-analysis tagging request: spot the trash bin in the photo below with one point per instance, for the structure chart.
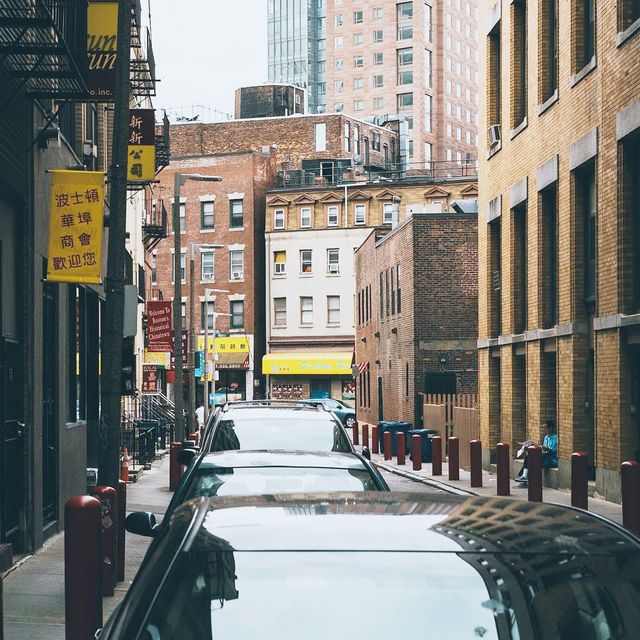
(394, 428)
(425, 438)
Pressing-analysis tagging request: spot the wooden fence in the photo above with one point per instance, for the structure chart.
(453, 415)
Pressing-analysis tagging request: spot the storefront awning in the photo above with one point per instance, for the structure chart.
(233, 360)
(289, 363)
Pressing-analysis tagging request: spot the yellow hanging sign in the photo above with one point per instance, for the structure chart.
(75, 226)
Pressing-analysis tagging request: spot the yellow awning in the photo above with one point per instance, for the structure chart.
(290, 363)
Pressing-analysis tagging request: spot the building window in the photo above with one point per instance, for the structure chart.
(378, 13)
(322, 88)
(585, 191)
(495, 281)
(494, 73)
(210, 314)
(332, 216)
(428, 77)
(398, 296)
(548, 49)
(339, 86)
(236, 264)
(378, 58)
(405, 101)
(405, 11)
(306, 261)
(321, 136)
(338, 63)
(405, 76)
(378, 81)
(428, 111)
(358, 17)
(427, 23)
(183, 314)
(392, 291)
(236, 214)
(630, 198)
(237, 314)
(584, 33)
(358, 61)
(154, 268)
(388, 209)
(279, 312)
(358, 38)
(333, 261)
(347, 136)
(375, 141)
(207, 262)
(306, 310)
(387, 291)
(549, 280)
(519, 268)
(333, 310)
(628, 13)
(279, 263)
(278, 219)
(338, 20)
(338, 42)
(405, 57)
(356, 139)
(358, 105)
(519, 63)
(183, 272)
(378, 35)
(206, 214)
(183, 217)
(360, 214)
(358, 83)
(305, 217)
(405, 32)
(378, 103)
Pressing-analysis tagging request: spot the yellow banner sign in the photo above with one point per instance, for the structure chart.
(228, 344)
(141, 162)
(287, 363)
(75, 226)
(102, 41)
(158, 358)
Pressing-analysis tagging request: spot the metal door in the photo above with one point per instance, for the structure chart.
(320, 389)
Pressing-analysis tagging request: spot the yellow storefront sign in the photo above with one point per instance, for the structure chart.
(307, 364)
(159, 358)
(75, 226)
(227, 344)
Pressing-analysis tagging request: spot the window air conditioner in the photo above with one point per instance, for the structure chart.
(334, 268)
(494, 135)
(207, 276)
(236, 275)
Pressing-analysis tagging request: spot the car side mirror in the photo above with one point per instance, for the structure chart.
(142, 523)
(366, 452)
(185, 456)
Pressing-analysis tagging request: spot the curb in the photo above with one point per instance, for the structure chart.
(418, 478)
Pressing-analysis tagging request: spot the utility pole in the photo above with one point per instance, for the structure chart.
(191, 425)
(109, 426)
(177, 310)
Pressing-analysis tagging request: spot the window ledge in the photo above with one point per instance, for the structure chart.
(521, 127)
(236, 280)
(333, 275)
(279, 276)
(628, 33)
(548, 103)
(583, 73)
(236, 330)
(236, 228)
(493, 150)
(208, 230)
(306, 275)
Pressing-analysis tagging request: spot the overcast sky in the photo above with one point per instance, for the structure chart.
(206, 49)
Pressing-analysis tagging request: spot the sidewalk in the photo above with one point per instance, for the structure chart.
(609, 510)
(34, 591)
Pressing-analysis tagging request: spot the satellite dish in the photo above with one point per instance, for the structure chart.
(357, 158)
(320, 108)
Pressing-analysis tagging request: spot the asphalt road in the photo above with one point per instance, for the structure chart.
(398, 483)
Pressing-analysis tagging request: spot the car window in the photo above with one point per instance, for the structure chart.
(259, 480)
(278, 433)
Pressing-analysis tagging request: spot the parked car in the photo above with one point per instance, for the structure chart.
(345, 413)
(234, 473)
(272, 424)
(357, 565)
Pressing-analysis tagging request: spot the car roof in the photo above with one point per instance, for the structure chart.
(430, 523)
(279, 413)
(280, 458)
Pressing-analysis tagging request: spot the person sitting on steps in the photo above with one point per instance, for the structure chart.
(549, 451)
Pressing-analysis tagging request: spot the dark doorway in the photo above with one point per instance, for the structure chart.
(440, 383)
(380, 401)
(49, 409)
(327, 171)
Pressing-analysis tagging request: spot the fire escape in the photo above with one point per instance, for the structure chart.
(154, 226)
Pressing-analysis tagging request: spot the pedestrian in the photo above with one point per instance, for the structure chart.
(549, 451)
(200, 416)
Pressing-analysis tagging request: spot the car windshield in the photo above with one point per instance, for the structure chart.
(260, 480)
(280, 433)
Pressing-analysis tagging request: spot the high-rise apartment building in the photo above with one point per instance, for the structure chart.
(380, 57)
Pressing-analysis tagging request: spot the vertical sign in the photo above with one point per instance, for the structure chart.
(159, 334)
(75, 226)
(102, 40)
(149, 379)
(141, 160)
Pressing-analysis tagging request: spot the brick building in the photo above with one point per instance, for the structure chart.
(559, 243)
(418, 59)
(268, 101)
(416, 297)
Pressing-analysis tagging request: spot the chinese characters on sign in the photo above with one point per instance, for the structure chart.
(102, 33)
(141, 152)
(159, 334)
(149, 379)
(75, 226)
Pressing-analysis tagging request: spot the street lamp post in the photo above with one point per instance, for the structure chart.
(206, 346)
(213, 351)
(179, 180)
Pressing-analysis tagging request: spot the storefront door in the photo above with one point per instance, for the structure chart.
(320, 389)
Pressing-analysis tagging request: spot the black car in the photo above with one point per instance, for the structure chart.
(383, 565)
(268, 424)
(234, 473)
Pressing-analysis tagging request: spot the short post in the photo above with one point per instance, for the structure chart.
(356, 434)
(630, 472)
(375, 443)
(401, 444)
(534, 477)
(386, 444)
(122, 514)
(416, 452)
(82, 567)
(107, 497)
(124, 466)
(365, 435)
(1, 614)
(579, 480)
(503, 472)
(436, 456)
(475, 457)
(175, 468)
(454, 458)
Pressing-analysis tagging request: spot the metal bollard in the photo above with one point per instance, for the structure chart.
(386, 445)
(436, 456)
(82, 567)
(579, 480)
(401, 445)
(416, 452)
(534, 464)
(630, 472)
(475, 457)
(375, 443)
(365, 435)
(356, 435)
(454, 458)
(503, 472)
(107, 497)
(175, 468)
(122, 514)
